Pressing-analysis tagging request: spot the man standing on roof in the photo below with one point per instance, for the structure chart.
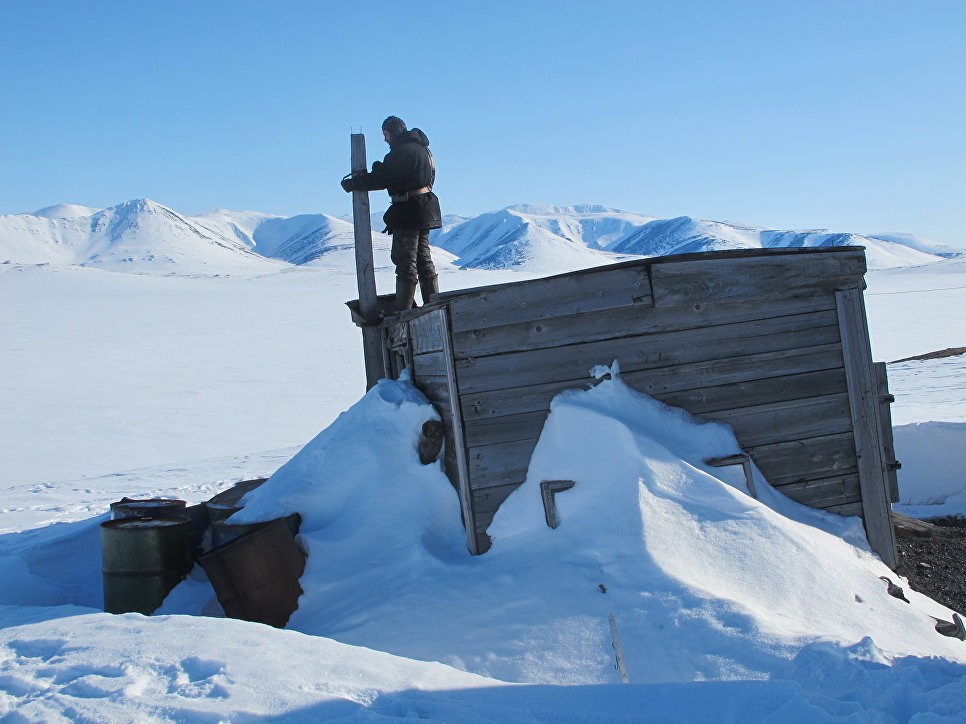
(408, 173)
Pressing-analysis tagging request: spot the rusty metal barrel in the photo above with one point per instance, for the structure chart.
(256, 576)
(142, 559)
(223, 532)
(231, 498)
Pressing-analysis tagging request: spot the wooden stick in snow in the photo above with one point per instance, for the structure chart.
(616, 641)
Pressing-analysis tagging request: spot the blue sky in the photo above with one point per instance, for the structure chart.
(849, 115)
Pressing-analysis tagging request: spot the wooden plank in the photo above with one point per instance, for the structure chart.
(516, 400)
(494, 430)
(701, 377)
(427, 332)
(750, 393)
(433, 364)
(623, 322)
(436, 389)
(486, 502)
(459, 470)
(848, 509)
(725, 341)
(907, 527)
(866, 425)
(761, 424)
(592, 290)
(395, 362)
(397, 335)
(717, 280)
(824, 492)
(489, 500)
(796, 461)
(885, 418)
(787, 420)
(500, 464)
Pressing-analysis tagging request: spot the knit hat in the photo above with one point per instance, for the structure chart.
(394, 125)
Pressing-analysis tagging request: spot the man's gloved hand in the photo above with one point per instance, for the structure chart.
(347, 183)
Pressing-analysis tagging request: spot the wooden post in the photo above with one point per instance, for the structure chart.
(365, 276)
(866, 426)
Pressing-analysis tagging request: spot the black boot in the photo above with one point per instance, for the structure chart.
(405, 294)
(428, 286)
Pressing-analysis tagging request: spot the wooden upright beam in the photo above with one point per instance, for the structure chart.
(365, 275)
(866, 425)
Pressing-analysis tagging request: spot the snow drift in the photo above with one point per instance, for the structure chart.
(696, 571)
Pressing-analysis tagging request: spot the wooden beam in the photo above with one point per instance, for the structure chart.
(461, 471)
(579, 293)
(885, 417)
(798, 461)
(718, 280)
(365, 274)
(866, 426)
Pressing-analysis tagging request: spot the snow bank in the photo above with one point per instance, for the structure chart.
(729, 608)
(932, 481)
(362, 474)
(130, 668)
(705, 581)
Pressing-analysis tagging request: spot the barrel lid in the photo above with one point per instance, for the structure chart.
(149, 502)
(136, 522)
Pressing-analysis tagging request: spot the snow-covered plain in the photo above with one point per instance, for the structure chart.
(729, 609)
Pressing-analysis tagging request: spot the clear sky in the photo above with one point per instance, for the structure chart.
(842, 114)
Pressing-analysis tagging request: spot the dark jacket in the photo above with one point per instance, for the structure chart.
(407, 166)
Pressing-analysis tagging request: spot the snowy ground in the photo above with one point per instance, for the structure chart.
(119, 384)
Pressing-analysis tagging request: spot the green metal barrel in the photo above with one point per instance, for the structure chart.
(142, 560)
(148, 508)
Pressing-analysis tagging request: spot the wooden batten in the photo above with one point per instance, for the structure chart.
(772, 342)
(866, 426)
(885, 421)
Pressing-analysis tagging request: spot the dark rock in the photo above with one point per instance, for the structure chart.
(943, 577)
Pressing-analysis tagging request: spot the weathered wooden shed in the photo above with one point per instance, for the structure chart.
(773, 342)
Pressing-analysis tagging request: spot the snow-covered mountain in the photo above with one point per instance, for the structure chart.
(144, 236)
(684, 235)
(539, 237)
(137, 236)
(296, 239)
(557, 237)
(925, 245)
(65, 211)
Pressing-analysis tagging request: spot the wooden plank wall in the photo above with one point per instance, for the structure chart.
(422, 343)
(751, 340)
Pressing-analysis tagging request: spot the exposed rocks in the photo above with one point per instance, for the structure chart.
(935, 562)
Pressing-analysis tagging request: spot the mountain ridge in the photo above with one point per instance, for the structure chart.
(145, 236)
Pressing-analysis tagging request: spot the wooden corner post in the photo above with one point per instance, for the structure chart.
(365, 275)
(866, 425)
